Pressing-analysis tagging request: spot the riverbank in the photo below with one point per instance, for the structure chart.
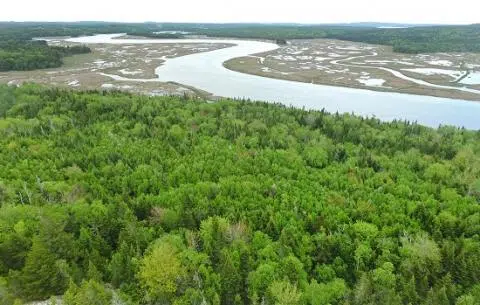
(87, 71)
(205, 71)
(364, 66)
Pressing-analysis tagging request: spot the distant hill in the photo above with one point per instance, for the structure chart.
(380, 24)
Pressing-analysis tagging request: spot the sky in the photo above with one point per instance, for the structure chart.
(224, 11)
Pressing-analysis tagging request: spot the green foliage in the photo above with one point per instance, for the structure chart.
(179, 201)
(42, 276)
(284, 293)
(89, 293)
(31, 55)
(419, 39)
(330, 293)
(6, 297)
(161, 271)
(421, 256)
(19, 52)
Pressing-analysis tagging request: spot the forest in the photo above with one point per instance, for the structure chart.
(19, 52)
(415, 40)
(22, 55)
(109, 196)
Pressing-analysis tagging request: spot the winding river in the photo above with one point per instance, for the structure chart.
(206, 71)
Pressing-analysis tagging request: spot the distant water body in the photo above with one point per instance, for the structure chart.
(206, 71)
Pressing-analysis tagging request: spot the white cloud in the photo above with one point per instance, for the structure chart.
(302, 11)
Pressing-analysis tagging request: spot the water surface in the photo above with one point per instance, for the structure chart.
(206, 71)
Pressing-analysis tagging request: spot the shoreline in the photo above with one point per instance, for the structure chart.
(371, 88)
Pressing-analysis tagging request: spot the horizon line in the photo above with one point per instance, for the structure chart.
(239, 22)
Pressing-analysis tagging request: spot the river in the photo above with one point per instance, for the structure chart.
(206, 71)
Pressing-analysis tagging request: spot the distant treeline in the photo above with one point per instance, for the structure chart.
(152, 33)
(422, 39)
(28, 30)
(29, 55)
(19, 52)
(418, 39)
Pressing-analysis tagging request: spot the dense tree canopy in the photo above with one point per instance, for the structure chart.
(169, 200)
(19, 52)
(31, 55)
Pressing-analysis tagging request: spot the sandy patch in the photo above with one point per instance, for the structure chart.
(443, 63)
(433, 71)
(471, 79)
(371, 82)
(74, 83)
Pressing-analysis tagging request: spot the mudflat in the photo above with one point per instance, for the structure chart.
(360, 65)
(136, 61)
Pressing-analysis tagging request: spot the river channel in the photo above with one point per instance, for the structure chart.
(206, 71)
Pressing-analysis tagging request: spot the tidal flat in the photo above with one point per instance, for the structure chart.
(373, 67)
